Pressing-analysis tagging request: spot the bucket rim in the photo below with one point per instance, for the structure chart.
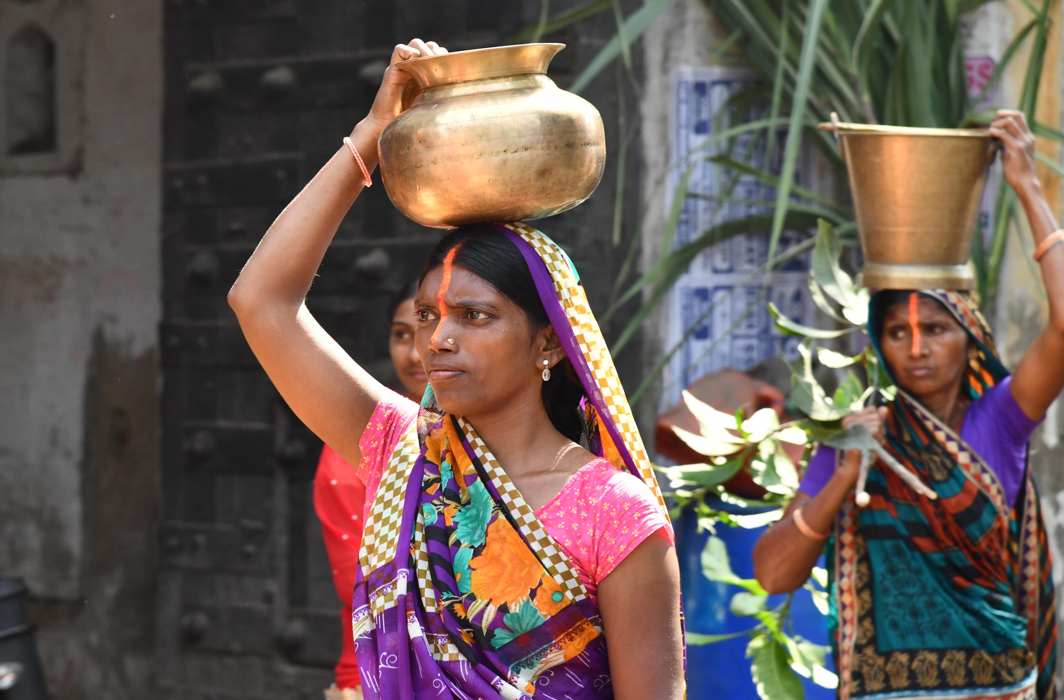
(845, 128)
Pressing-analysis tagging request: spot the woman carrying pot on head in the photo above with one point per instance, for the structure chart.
(500, 557)
(340, 495)
(949, 596)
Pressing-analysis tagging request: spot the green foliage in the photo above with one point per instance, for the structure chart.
(757, 443)
(878, 61)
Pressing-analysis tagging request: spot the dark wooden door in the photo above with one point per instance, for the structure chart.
(258, 93)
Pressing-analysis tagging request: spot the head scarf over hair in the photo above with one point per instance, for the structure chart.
(461, 592)
(950, 597)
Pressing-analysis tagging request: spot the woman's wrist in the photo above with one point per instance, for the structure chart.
(364, 136)
(1029, 189)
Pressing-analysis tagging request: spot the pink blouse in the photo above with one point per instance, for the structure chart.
(598, 518)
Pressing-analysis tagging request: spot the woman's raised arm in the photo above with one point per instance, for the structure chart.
(329, 392)
(1039, 376)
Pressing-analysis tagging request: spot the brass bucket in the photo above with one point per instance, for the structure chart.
(916, 194)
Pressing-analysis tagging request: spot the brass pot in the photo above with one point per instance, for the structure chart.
(916, 193)
(489, 137)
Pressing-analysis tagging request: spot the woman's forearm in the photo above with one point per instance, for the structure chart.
(784, 556)
(280, 271)
(1043, 223)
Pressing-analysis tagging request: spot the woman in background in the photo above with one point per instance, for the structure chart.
(951, 596)
(339, 494)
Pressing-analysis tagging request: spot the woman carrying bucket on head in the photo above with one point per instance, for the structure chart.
(516, 544)
(947, 592)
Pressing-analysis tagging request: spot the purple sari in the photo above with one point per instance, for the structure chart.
(460, 591)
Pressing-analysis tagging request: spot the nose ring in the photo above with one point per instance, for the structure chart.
(450, 341)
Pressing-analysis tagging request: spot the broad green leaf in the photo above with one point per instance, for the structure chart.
(835, 360)
(700, 639)
(716, 565)
(820, 601)
(808, 395)
(758, 520)
(759, 426)
(716, 444)
(701, 475)
(833, 280)
(792, 435)
(794, 328)
(807, 659)
(709, 418)
(770, 667)
(849, 394)
(746, 604)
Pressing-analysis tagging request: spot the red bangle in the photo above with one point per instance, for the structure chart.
(803, 527)
(1050, 241)
(366, 179)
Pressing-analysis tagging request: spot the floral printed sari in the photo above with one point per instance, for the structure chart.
(460, 590)
(945, 598)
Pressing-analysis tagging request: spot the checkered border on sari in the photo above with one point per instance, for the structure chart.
(593, 347)
(1029, 561)
(846, 566)
(442, 648)
(973, 466)
(380, 539)
(554, 560)
(421, 566)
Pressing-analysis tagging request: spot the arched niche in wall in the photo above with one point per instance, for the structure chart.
(41, 106)
(29, 93)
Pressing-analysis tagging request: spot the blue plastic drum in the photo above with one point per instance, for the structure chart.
(721, 670)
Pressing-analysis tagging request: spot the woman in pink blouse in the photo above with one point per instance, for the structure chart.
(516, 544)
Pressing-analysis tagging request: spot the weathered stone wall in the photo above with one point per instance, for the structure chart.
(79, 306)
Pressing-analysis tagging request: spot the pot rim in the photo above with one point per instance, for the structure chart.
(846, 128)
(481, 64)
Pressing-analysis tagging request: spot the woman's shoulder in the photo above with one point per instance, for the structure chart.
(392, 413)
(600, 481)
(601, 515)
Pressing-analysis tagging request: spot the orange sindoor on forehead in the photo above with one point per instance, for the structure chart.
(445, 281)
(914, 321)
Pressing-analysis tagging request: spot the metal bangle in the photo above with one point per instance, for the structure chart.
(803, 527)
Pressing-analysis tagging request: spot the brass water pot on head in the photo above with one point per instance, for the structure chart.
(916, 194)
(489, 137)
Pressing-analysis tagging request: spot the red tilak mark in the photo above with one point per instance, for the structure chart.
(914, 321)
(445, 283)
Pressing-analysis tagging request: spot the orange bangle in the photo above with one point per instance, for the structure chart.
(1050, 241)
(366, 179)
(803, 527)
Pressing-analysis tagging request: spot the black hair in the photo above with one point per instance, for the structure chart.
(881, 304)
(489, 254)
(407, 291)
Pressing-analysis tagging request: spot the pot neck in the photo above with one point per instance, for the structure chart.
(479, 87)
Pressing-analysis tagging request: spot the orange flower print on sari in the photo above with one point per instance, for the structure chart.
(549, 597)
(506, 570)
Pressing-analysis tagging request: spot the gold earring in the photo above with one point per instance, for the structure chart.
(546, 370)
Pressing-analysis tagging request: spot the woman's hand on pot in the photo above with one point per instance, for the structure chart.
(389, 100)
(1010, 128)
